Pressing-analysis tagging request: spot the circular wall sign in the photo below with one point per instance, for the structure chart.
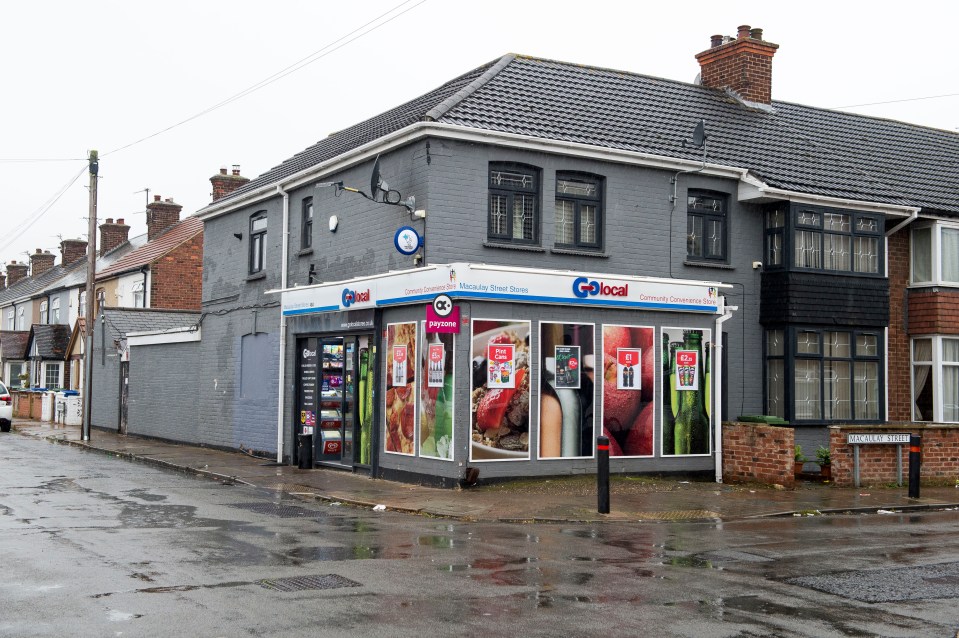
(406, 240)
(442, 305)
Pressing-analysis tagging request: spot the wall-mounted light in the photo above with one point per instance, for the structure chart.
(334, 222)
(238, 236)
(419, 213)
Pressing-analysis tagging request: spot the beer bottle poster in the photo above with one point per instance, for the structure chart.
(399, 365)
(687, 370)
(628, 368)
(436, 364)
(567, 366)
(499, 370)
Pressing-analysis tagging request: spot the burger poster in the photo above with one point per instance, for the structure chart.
(499, 400)
(628, 389)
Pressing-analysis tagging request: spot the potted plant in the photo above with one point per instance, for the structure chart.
(800, 459)
(825, 462)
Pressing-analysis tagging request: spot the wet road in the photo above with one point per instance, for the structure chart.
(93, 545)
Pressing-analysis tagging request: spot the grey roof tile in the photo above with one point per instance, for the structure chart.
(794, 147)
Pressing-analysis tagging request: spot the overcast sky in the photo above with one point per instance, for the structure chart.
(105, 75)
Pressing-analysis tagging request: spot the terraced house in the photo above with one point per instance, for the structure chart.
(538, 252)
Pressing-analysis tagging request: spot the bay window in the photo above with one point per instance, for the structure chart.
(935, 254)
(823, 375)
(935, 379)
(824, 239)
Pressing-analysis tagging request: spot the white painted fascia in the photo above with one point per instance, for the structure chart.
(422, 130)
(176, 335)
(752, 189)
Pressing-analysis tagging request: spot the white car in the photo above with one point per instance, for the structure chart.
(6, 409)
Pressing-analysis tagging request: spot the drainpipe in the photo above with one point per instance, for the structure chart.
(717, 365)
(281, 402)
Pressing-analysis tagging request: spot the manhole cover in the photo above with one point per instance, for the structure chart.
(304, 583)
(282, 511)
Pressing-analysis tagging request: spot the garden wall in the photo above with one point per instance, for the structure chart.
(754, 452)
(877, 462)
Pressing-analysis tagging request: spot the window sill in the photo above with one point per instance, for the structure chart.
(524, 247)
(579, 252)
(305, 252)
(708, 264)
(934, 287)
(257, 276)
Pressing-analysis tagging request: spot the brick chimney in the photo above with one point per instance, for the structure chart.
(112, 234)
(161, 214)
(224, 184)
(3, 281)
(16, 272)
(40, 262)
(72, 250)
(743, 64)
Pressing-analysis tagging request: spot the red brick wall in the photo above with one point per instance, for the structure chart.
(176, 279)
(754, 452)
(744, 65)
(934, 311)
(899, 381)
(112, 234)
(877, 462)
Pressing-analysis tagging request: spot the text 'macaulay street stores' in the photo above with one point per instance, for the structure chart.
(517, 379)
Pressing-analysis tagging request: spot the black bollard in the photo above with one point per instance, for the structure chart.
(602, 474)
(915, 460)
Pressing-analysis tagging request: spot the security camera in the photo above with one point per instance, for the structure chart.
(757, 265)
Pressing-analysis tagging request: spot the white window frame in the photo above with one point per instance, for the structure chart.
(937, 363)
(21, 320)
(43, 373)
(11, 320)
(55, 310)
(138, 290)
(44, 314)
(936, 254)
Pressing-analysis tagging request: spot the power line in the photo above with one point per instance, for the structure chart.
(25, 160)
(908, 99)
(40, 212)
(296, 66)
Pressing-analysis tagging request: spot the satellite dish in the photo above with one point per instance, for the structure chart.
(376, 181)
(699, 134)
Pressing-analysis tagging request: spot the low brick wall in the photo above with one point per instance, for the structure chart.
(877, 462)
(27, 405)
(754, 452)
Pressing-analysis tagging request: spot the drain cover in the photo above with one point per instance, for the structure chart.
(304, 583)
(282, 511)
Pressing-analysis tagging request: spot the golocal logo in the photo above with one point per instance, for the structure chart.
(351, 297)
(583, 287)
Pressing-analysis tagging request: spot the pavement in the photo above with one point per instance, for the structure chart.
(559, 499)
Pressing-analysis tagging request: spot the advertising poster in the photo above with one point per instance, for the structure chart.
(687, 401)
(566, 426)
(436, 396)
(499, 411)
(400, 397)
(629, 368)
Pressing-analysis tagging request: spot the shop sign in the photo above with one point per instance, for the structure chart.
(500, 365)
(687, 370)
(448, 324)
(898, 438)
(460, 281)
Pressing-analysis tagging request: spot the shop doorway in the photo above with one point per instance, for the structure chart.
(335, 398)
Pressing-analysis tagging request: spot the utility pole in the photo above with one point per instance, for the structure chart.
(91, 302)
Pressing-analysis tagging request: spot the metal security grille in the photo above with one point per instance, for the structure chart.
(279, 510)
(305, 583)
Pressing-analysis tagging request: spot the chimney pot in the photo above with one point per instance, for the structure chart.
(715, 41)
(743, 31)
(39, 252)
(120, 220)
(223, 170)
(236, 169)
(756, 34)
(109, 220)
(156, 198)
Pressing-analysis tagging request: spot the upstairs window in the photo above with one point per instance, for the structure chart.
(935, 254)
(257, 242)
(55, 311)
(139, 298)
(705, 227)
(836, 241)
(579, 211)
(513, 204)
(11, 321)
(21, 319)
(306, 234)
(44, 315)
(82, 304)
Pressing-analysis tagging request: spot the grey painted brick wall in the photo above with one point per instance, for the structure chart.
(106, 376)
(162, 399)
